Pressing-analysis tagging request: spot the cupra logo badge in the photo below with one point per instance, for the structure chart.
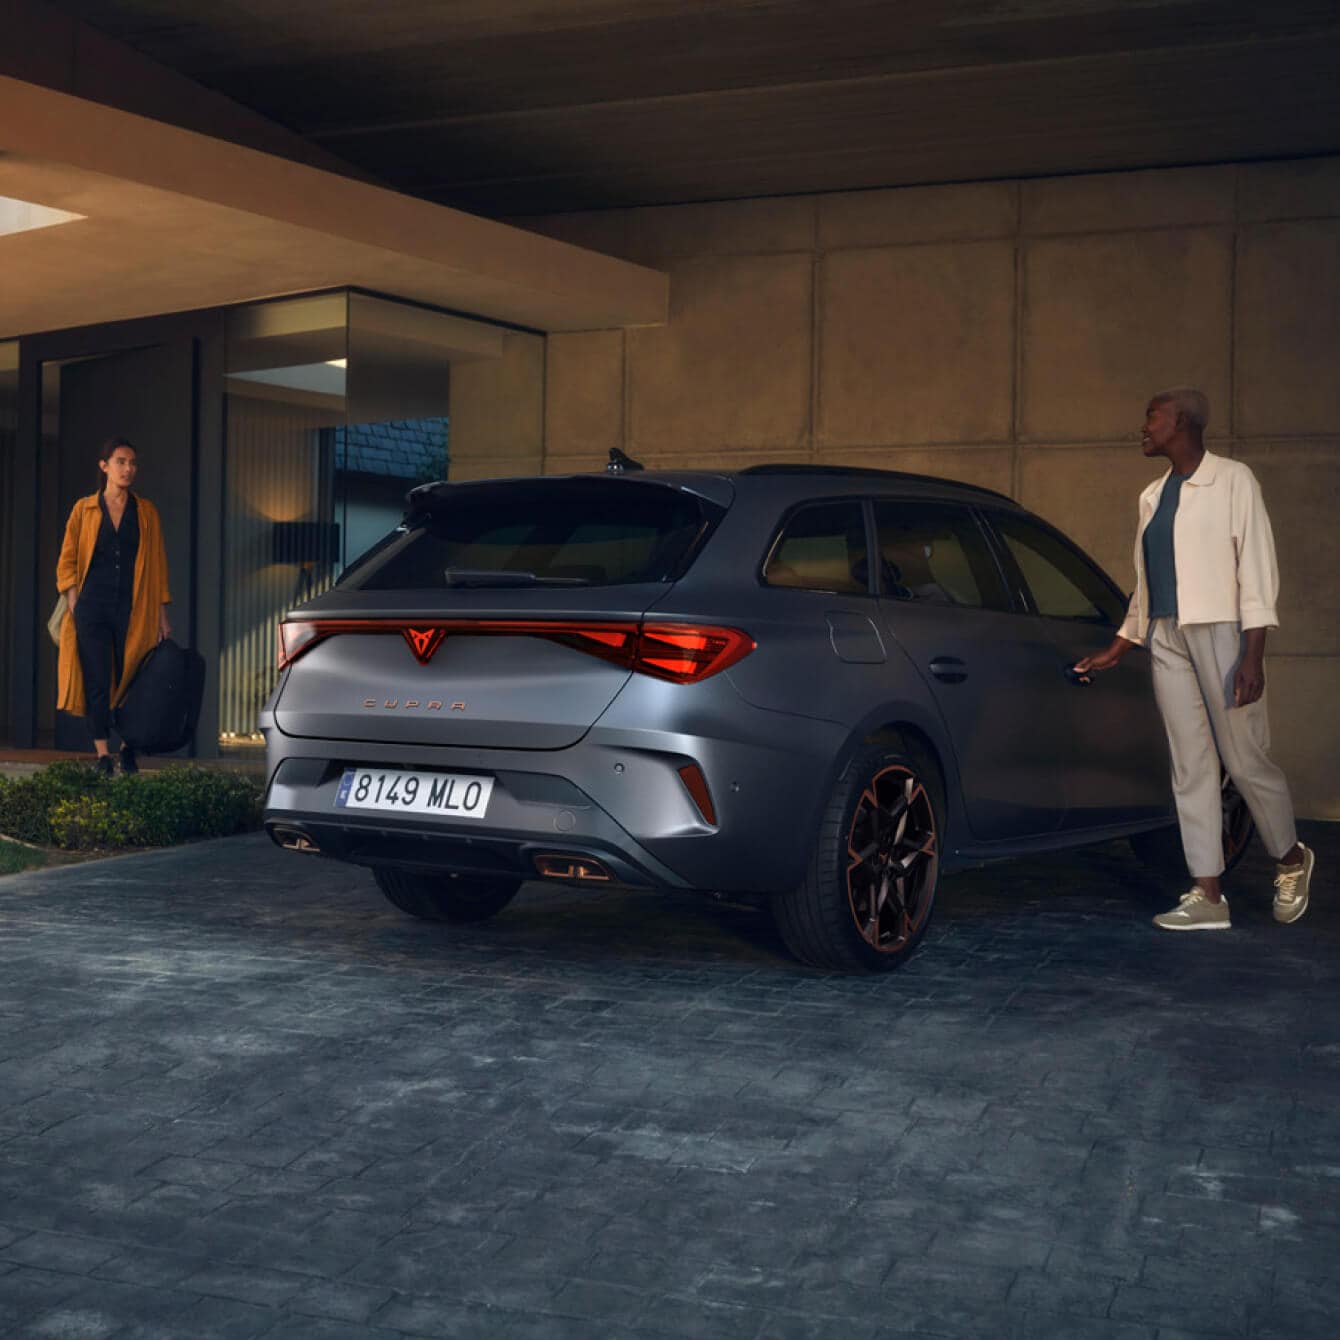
(423, 642)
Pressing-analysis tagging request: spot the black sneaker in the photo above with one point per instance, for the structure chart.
(102, 765)
(128, 763)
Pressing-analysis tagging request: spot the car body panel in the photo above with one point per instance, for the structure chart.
(995, 679)
(1116, 731)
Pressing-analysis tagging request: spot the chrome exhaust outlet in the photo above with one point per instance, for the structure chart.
(576, 869)
(294, 839)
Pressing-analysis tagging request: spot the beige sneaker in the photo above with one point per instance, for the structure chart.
(1291, 886)
(1195, 912)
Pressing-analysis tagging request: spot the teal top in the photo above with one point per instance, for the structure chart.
(1160, 561)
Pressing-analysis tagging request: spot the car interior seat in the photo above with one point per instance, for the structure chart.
(909, 556)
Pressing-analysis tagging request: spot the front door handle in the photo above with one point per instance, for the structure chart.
(949, 669)
(1076, 678)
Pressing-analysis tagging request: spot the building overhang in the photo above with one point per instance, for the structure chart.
(173, 220)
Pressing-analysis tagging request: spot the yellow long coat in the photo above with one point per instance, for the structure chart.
(148, 594)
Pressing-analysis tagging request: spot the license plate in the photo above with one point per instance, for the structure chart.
(447, 793)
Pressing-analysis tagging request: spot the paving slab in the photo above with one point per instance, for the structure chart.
(241, 1095)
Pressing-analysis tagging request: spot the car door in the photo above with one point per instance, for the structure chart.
(995, 676)
(1119, 767)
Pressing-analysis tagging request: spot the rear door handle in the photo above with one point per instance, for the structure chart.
(949, 669)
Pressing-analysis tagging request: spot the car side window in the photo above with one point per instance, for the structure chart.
(821, 548)
(1062, 583)
(936, 554)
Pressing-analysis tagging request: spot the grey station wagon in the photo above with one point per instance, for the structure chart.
(821, 686)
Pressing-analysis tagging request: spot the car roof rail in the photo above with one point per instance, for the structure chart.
(863, 472)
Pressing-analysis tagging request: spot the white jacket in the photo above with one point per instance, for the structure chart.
(1223, 548)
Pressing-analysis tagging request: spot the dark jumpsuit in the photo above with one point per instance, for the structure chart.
(102, 612)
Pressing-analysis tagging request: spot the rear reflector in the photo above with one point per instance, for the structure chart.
(683, 653)
(696, 785)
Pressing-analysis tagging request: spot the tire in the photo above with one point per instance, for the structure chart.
(1161, 849)
(445, 897)
(854, 912)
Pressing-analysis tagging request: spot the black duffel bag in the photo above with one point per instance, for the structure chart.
(162, 705)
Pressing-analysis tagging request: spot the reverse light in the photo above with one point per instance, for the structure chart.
(680, 652)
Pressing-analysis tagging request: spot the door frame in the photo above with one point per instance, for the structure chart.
(33, 588)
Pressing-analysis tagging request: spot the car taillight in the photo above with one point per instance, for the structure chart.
(295, 637)
(687, 653)
(682, 653)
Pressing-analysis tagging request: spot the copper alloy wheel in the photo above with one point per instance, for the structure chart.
(892, 854)
(1237, 820)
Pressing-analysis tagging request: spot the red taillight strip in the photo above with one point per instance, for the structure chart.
(611, 637)
(683, 653)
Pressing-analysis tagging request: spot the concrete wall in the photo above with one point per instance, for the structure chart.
(497, 411)
(1009, 334)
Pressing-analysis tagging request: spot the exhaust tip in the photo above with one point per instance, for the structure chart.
(294, 839)
(575, 869)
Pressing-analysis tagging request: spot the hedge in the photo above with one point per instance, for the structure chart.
(69, 805)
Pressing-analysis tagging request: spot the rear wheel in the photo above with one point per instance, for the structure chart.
(868, 893)
(457, 899)
(1162, 851)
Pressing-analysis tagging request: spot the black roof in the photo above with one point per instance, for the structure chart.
(707, 482)
(862, 472)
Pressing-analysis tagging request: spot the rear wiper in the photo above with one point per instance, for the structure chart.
(501, 577)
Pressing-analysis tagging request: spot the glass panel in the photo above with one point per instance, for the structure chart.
(337, 405)
(588, 533)
(821, 549)
(1063, 584)
(9, 429)
(285, 384)
(938, 555)
(396, 435)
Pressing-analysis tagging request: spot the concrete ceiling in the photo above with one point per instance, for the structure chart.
(166, 219)
(510, 107)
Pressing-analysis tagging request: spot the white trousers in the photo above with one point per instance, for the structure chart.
(1193, 683)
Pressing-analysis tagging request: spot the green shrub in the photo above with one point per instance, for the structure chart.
(68, 805)
(90, 821)
(26, 802)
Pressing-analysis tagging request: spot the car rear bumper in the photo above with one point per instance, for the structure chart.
(616, 798)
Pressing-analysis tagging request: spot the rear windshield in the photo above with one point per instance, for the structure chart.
(562, 532)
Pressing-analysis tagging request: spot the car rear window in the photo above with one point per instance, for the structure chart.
(581, 532)
(821, 548)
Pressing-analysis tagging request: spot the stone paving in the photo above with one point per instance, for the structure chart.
(241, 1096)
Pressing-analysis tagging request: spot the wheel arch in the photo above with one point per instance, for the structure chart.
(906, 720)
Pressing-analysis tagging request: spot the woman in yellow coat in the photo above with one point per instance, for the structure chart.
(113, 571)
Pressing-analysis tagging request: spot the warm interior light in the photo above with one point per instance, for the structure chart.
(22, 216)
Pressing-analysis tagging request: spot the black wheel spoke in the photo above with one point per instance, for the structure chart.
(860, 858)
(892, 852)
